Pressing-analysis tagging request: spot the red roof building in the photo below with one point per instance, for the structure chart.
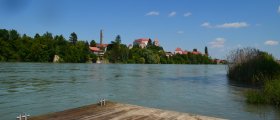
(94, 49)
(102, 45)
(99, 49)
(142, 42)
(178, 51)
(185, 52)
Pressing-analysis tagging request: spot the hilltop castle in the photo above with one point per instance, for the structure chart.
(143, 42)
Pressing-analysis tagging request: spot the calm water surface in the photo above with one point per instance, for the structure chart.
(39, 88)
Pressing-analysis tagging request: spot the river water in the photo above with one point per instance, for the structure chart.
(40, 88)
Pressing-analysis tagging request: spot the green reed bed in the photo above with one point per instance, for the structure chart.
(269, 94)
(256, 68)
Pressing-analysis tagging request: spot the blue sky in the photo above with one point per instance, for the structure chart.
(222, 25)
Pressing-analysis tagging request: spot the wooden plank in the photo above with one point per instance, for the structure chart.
(118, 111)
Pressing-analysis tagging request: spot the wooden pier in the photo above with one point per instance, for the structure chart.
(118, 111)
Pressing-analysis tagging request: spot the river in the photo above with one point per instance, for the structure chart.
(40, 88)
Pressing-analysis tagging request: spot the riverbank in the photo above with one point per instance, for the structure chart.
(119, 111)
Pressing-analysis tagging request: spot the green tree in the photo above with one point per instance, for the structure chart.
(149, 43)
(38, 52)
(73, 38)
(23, 46)
(14, 35)
(47, 36)
(5, 50)
(117, 52)
(117, 40)
(141, 60)
(206, 51)
(37, 36)
(86, 43)
(4, 34)
(92, 43)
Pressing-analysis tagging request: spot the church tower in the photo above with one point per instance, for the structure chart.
(156, 42)
(101, 37)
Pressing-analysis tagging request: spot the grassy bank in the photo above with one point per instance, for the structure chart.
(256, 68)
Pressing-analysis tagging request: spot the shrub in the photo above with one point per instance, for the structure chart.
(258, 68)
(255, 97)
(141, 60)
(270, 94)
(252, 66)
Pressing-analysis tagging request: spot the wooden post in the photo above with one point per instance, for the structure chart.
(19, 117)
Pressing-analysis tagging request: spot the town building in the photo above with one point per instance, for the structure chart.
(185, 52)
(95, 50)
(130, 46)
(196, 52)
(100, 48)
(218, 61)
(142, 42)
(180, 51)
(168, 54)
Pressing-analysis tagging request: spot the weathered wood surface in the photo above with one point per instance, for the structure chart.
(117, 111)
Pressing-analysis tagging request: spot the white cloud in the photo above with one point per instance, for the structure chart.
(233, 25)
(206, 24)
(180, 32)
(271, 42)
(278, 9)
(187, 14)
(218, 43)
(226, 25)
(152, 13)
(172, 14)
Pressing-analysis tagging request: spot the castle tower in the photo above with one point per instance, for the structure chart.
(156, 42)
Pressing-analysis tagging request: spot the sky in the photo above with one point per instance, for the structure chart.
(221, 25)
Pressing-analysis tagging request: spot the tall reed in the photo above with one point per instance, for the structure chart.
(252, 66)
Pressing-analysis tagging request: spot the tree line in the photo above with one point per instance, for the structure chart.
(43, 48)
